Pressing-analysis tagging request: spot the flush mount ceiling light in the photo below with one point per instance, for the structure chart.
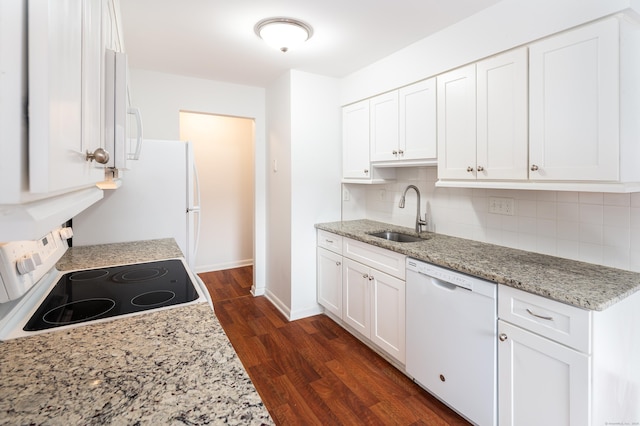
(283, 33)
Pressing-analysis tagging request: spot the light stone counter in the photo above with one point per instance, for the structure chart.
(581, 284)
(174, 366)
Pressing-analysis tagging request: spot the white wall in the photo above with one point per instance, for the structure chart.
(279, 194)
(223, 150)
(305, 142)
(317, 171)
(503, 26)
(161, 97)
(599, 228)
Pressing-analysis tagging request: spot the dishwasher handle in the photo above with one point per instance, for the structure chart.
(444, 285)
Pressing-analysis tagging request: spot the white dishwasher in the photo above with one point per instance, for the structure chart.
(451, 327)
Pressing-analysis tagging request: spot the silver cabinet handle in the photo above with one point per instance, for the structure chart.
(329, 241)
(480, 168)
(371, 278)
(366, 171)
(394, 152)
(99, 155)
(539, 316)
(502, 337)
(401, 152)
(469, 169)
(365, 276)
(534, 168)
(338, 263)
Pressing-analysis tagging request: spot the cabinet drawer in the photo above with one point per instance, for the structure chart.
(557, 321)
(329, 241)
(375, 257)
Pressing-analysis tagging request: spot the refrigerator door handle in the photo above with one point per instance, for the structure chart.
(196, 209)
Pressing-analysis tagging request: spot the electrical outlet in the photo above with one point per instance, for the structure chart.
(505, 206)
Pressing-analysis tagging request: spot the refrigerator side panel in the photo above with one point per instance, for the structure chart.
(150, 204)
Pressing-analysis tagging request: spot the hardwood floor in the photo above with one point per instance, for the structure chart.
(311, 371)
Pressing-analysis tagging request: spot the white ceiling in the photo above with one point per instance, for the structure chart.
(214, 39)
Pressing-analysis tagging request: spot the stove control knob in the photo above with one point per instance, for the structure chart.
(37, 259)
(26, 265)
(66, 233)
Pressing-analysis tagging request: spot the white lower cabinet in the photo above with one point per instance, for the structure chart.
(330, 281)
(364, 299)
(540, 382)
(374, 306)
(388, 314)
(562, 365)
(544, 359)
(329, 272)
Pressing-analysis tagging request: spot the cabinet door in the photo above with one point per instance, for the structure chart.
(540, 382)
(388, 314)
(457, 124)
(417, 106)
(384, 127)
(502, 108)
(330, 281)
(355, 141)
(574, 107)
(92, 76)
(56, 146)
(356, 296)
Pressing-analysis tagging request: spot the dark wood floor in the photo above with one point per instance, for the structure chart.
(311, 371)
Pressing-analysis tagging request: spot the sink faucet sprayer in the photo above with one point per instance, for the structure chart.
(419, 221)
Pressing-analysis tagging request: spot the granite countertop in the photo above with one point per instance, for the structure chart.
(174, 366)
(580, 284)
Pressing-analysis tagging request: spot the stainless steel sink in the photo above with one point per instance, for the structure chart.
(396, 236)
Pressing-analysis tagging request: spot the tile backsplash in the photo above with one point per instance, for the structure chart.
(595, 227)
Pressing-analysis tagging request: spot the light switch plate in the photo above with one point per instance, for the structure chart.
(346, 196)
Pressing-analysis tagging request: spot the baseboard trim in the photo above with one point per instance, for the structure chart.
(223, 266)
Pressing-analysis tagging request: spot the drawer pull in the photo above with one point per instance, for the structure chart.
(539, 316)
(338, 263)
(329, 241)
(502, 337)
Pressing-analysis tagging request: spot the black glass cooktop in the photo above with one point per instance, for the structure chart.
(93, 294)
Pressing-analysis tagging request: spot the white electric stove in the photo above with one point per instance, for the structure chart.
(36, 298)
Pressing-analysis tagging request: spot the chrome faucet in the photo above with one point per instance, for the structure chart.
(419, 222)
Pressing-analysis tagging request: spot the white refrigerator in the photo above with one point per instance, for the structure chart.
(159, 198)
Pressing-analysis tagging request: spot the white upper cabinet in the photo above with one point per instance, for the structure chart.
(403, 126)
(417, 132)
(401, 131)
(355, 140)
(457, 123)
(356, 163)
(502, 132)
(58, 140)
(384, 126)
(482, 119)
(558, 117)
(574, 117)
(92, 76)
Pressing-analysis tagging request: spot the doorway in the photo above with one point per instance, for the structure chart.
(224, 156)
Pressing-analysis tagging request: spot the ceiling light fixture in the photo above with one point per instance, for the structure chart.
(283, 33)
